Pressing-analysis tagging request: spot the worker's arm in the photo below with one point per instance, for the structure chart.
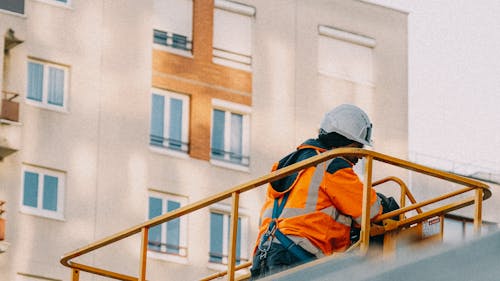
(346, 191)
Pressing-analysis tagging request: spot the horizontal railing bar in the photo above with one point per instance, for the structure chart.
(421, 204)
(404, 192)
(438, 211)
(387, 179)
(223, 273)
(103, 272)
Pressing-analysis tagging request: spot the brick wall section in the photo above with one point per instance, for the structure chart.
(201, 79)
(203, 18)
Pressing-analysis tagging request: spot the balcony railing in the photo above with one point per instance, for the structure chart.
(173, 40)
(230, 157)
(169, 143)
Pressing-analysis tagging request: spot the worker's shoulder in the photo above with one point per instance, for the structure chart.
(296, 156)
(306, 153)
(338, 164)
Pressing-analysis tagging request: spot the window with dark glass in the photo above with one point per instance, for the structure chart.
(15, 6)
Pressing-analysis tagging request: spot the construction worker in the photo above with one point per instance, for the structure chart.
(309, 214)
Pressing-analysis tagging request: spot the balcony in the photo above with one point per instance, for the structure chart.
(10, 129)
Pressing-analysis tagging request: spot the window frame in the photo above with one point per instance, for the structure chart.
(227, 56)
(229, 108)
(170, 44)
(359, 46)
(245, 249)
(61, 186)
(186, 108)
(45, 84)
(182, 257)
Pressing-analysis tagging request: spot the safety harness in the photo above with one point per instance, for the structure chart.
(273, 232)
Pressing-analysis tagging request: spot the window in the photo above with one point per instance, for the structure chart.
(173, 24)
(47, 84)
(14, 6)
(219, 237)
(230, 133)
(42, 192)
(170, 237)
(345, 55)
(169, 121)
(232, 38)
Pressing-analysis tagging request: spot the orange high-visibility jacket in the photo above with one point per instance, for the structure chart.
(322, 203)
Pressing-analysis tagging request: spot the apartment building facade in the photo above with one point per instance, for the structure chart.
(115, 111)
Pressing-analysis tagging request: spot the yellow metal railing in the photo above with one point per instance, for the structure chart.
(482, 192)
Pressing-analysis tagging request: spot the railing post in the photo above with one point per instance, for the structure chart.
(75, 275)
(478, 211)
(144, 251)
(365, 215)
(231, 263)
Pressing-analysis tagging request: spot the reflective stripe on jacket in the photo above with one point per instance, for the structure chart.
(322, 200)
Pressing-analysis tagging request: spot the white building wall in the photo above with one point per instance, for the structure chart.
(101, 143)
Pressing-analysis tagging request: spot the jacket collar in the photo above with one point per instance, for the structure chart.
(314, 144)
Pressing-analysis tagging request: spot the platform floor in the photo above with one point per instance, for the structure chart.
(475, 260)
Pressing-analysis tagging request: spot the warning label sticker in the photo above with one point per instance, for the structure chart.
(431, 227)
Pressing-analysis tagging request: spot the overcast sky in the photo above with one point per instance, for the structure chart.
(454, 79)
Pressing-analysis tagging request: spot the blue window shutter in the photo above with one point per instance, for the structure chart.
(216, 240)
(30, 196)
(157, 119)
(35, 81)
(50, 185)
(154, 235)
(218, 133)
(175, 131)
(236, 137)
(56, 86)
(173, 230)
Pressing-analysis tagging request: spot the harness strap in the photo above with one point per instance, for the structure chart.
(295, 249)
(272, 228)
(278, 209)
(273, 231)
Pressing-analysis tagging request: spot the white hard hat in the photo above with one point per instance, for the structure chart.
(349, 121)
